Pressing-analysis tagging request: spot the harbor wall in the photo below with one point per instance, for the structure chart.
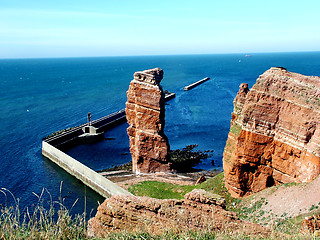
(69, 137)
(92, 179)
(193, 85)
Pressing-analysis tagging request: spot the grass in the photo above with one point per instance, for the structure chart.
(167, 235)
(40, 222)
(163, 190)
(292, 225)
(160, 190)
(235, 129)
(216, 185)
(249, 211)
(54, 221)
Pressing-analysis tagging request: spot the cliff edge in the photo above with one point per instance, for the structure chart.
(198, 211)
(274, 135)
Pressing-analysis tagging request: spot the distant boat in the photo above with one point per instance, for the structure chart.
(247, 55)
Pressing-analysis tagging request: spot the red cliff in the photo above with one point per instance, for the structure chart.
(275, 134)
(145, 113)
(198, 211)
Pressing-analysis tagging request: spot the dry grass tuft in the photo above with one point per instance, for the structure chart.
(53, 222)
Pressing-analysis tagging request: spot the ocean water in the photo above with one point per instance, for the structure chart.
(40, 96)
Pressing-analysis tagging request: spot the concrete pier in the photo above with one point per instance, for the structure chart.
(193, 85)
(92, 179)
(71, 136)
(169, 96)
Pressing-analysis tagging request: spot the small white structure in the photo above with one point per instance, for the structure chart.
(89, 130)
(90, 133)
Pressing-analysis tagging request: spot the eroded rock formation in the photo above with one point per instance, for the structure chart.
(199, 210)
(275, 133)
(145, 113)
(311, 224)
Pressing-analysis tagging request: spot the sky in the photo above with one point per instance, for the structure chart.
(87, 28)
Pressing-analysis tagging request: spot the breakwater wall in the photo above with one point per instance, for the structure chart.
(193, 85)
(94, 180)
(71, 136)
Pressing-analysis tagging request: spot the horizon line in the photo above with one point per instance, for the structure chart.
(157, 55)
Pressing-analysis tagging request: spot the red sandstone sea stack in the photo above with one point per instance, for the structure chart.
(275, 135)
(145, 114)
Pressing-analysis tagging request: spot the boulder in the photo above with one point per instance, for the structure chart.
(198, 211)
(311, 224)
(200, 180)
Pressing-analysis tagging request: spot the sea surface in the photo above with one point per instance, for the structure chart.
(41, 96)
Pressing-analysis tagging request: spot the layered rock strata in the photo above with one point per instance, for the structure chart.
(145, 114)
(275, 135)
(199, 210)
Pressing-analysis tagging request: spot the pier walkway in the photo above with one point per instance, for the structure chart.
(91, 178)
(70, 136)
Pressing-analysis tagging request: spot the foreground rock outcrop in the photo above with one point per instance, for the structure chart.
(311, 224)
(145, 114)
(199, 210)
(275, 135)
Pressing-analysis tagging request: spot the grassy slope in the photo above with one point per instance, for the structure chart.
(248, 209)
(43, 225)
(163, 190)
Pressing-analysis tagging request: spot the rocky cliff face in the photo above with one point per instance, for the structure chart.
(199, 210)
(275, 133)
(145, 113)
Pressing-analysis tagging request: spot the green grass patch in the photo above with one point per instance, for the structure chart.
(45, 220)
(235, 129)
(163, 190)
(199, 235)
(292, 225)
(160, 190)
(216, 185)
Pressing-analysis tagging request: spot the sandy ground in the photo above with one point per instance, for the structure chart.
(294, 200)
(286, 201)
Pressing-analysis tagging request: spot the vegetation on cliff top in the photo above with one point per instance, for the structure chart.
(163, 190)
(54, 221)
(248, 209)
(43, 221)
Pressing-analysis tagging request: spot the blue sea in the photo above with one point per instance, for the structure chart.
(41, 96)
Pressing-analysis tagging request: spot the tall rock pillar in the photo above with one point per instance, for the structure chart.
(145, 113)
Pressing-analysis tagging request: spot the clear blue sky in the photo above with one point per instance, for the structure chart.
(74, 28)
